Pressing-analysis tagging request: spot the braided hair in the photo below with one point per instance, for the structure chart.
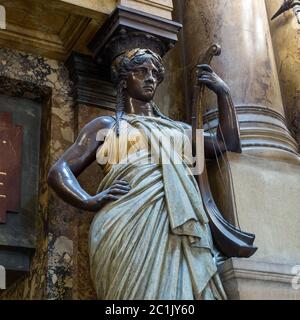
(121, 66)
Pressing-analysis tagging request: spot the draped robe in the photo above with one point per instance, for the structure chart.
(154, 242)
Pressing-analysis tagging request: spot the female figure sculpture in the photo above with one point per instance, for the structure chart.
(150, 238)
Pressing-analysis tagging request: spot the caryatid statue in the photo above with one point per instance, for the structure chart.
(150, 237)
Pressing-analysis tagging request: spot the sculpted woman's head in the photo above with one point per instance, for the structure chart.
(138, 72)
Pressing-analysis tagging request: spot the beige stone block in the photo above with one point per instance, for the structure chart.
(267, 193)
(88, 6)
(161, 8)
(245, 279)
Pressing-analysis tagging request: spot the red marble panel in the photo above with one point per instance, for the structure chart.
(11, 140)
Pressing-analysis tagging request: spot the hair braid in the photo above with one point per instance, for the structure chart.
(120, 105)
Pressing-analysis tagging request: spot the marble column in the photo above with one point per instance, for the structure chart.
(285, 31)
(259, 189)
(247, 64)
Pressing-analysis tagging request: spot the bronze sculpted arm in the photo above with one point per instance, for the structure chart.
(228, 132)
(62, 176)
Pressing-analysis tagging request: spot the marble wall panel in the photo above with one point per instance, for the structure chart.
(41, 79)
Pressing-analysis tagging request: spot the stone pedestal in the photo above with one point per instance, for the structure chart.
(267, 202)
(245, 279)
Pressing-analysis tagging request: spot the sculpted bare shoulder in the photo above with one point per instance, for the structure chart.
(100, 123)
(79, 155)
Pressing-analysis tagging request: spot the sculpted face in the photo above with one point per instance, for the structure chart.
(142, 81)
